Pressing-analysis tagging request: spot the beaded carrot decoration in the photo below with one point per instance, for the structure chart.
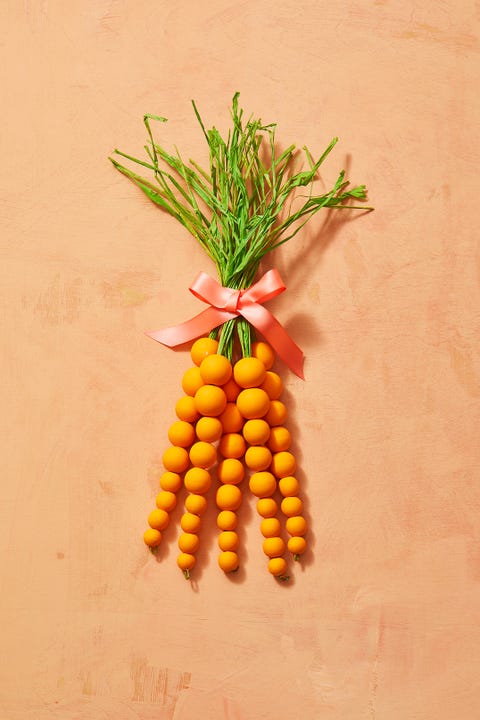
(231, 419)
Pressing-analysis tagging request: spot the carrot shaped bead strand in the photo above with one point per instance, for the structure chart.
(197, 481)
(230, 472)
(175, 461)
(228, 499)
(190, 523)
(253, 404)
(263, 485)
(182, 435)
(292, 508)
(284, 466)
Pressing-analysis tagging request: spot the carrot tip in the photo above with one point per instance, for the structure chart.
(187, 574)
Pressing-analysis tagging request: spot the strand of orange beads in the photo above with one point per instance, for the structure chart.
(197, 482)
(210, 401)
(283, 466)
(279, 442)
(254, 404)
(176, 458)
(231, 473)
(175, 461)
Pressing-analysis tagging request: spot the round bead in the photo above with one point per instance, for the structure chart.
(272, 385)
(188, 543)
(228, 540)
(210, 400)
(201, 348)
(186, 561)
(227, 520)
(249, 372)
(181, 434)
(231, 419)
(291, 506)
(209, 429)
(273, 546)
(253, 403)
(297, 545)
(277, 566)
(279, 439)
(258, 458)
(166, 500)
(228, 561)
(263, 352)
(288, 486)
(277, 413)
(229, 497)
(262, 484)
(203, 454)
(197, 480)
(190, 522)
(185, 409)
(175, 459)
(196, 504)
(232, 445)
(256, 432)
(231, 471)
(152, 537)
(216, 370)
(171, 481)
(267, 507)
(158, 519)
(270, 527)
(296, 525)
(192, 381)
(283, 464)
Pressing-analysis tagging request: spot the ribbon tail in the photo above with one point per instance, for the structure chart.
(263, 320)
(201, 324)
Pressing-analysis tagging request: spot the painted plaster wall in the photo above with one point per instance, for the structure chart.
(382, 620)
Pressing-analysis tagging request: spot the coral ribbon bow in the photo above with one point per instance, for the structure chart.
(227, 304)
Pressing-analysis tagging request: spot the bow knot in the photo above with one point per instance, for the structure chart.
(227, 304)
(233, 302)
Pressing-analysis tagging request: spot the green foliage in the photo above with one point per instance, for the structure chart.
(241, 208)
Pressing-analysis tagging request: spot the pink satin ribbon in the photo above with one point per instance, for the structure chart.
(227, 304)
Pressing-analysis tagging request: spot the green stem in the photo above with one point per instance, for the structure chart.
(244, 331)
(225, 345)
(239, 209)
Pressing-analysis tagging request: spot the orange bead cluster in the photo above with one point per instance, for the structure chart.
(230, 417)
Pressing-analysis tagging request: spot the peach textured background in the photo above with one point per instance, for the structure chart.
(382, 620)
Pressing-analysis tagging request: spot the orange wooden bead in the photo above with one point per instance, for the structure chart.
(201, 348)
(263, 352)
(253, 403)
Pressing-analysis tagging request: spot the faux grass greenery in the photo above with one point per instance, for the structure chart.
(241, 207)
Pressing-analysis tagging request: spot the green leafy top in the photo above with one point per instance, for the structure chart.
(238, 209)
